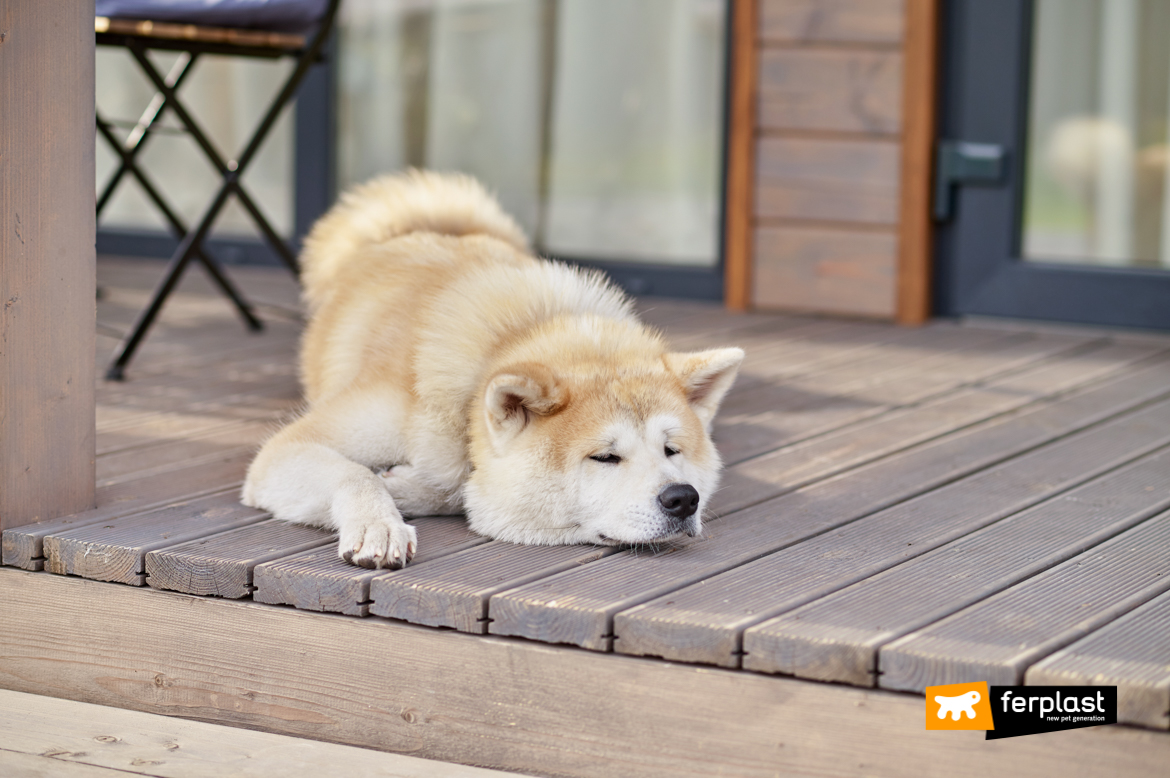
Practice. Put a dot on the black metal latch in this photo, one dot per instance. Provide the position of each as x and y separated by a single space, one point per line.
959 162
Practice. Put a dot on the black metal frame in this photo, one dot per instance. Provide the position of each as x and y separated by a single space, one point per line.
191 241
980 269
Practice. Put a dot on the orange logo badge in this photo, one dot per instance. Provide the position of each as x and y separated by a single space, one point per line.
958 706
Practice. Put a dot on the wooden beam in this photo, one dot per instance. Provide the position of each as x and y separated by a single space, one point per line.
494 702
47 260
919 98
741 140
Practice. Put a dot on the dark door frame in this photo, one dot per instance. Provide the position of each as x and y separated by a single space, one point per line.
979 271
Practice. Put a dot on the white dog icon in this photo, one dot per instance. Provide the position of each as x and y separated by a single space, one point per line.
956 706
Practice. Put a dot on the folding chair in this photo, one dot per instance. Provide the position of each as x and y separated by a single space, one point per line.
196 27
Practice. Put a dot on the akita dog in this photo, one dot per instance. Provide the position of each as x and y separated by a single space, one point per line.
448 370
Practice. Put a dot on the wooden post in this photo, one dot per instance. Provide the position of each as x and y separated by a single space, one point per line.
919 98
741 156
47 260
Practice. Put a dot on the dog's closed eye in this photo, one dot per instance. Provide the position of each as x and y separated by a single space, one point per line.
671 451
609 459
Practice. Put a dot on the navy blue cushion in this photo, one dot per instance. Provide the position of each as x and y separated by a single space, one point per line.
282 15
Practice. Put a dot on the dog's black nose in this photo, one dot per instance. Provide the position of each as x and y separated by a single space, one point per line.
679 500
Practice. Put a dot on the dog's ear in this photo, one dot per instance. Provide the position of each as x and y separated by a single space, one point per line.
706 376
518 394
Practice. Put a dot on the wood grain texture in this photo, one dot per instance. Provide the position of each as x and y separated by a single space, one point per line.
837 637
455 591
741 147
498 703
319 580
760 420
222 564
830 90
47 261
919 99
874 22
705 622
803 462
1132 653
156 488
187 450
114 549
586 600
1000 637
825 271
65 735
832 180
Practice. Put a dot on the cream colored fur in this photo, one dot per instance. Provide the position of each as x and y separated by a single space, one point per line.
446 369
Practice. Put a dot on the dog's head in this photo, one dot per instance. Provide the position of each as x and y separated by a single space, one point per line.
598 451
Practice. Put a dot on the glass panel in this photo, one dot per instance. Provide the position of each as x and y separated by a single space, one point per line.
598 122
1097 133
228 97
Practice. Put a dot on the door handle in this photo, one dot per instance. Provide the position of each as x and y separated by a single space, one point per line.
960 162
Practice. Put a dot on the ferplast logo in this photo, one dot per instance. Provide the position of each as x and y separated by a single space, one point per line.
1011 711
959 706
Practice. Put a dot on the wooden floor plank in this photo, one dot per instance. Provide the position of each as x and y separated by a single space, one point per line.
129 462
499 703
704 622
999 638
1132 653
770 475
222 564
155 489
454 591
114 549
318 580
794 410
837 637
587 599
262 398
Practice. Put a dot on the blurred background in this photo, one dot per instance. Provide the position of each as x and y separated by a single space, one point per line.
599 123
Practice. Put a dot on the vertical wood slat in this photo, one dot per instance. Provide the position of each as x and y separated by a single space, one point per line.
47 260
740 177
918 121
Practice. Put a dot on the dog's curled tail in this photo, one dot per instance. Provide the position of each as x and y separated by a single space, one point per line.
394 205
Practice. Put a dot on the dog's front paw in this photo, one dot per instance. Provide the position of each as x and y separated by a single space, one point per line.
378 544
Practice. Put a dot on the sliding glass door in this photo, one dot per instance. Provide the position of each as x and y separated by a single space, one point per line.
599 123
1070 99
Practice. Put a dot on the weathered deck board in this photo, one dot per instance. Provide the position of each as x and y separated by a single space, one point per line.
222 564
999 637
186 450
454 591
318 580
837 637
501 703
1132 653
114 549
705 621
588 599
159 488
801 463
796 409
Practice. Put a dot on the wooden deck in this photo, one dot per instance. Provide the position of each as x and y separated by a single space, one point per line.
900 508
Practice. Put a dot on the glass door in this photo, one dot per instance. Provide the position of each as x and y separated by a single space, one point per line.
1071 101
599 123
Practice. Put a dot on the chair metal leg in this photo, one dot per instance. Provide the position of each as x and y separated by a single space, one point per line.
179 260
180 230
141 133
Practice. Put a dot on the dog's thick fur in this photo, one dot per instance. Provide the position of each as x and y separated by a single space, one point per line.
447 369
